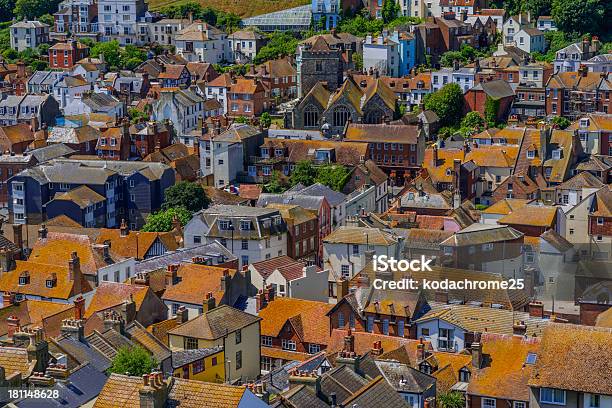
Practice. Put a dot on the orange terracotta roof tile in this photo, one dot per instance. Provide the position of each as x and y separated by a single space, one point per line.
39 273
505 373
57 247
306 317
574 358
274 352
195 282
109 294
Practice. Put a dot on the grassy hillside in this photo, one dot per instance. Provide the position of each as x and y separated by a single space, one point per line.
244 8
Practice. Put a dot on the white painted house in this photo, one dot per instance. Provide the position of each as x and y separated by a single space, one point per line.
201 42
251 234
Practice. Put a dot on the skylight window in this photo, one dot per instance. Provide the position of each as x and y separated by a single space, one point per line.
531 358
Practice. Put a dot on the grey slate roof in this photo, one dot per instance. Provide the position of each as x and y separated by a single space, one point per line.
124 168
84 352
300 397
182 357
477 234
343 381
333 197
50 152
182 255
307 202
100 101
81 386
404 378
378 393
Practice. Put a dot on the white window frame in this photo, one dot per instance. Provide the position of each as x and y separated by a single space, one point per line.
552 402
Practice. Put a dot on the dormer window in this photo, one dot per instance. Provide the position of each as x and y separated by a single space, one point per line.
464 375
584 123
225 225
278 152
265 152
50 281
449 172
531 154
556 154
24 278
245 225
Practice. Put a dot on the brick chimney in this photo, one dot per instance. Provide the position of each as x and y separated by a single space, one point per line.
434 157
476 355
8 298
181 315
154 392
12 325
341 289
79 308
38 349
519 328
536 309
377 349
73 328
42 231
124 228
74 273
113 320
172 274
18 235
209 302
128 309
421 351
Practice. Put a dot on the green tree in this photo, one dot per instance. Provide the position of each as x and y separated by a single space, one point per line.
137 115
452 399
358 61
304 173
186 194
6 10
280 44
276 185
361 25
32 9
491 110
43 49
449 57
390 10
560 122
447 103
39 65
581 16
163 220
538 7
265 120
333 176
241 119
473 120
110 50
131 57
134 361
47 19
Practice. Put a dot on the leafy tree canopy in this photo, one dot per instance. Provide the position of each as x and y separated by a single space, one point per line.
265 119
276 185
452 399
576 17
134 361
333 176
191 196
163 221
280 44
560 122
32 9
304 173
472 122
390 10
447 103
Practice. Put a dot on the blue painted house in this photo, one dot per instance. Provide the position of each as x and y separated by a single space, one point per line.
115 190
406 51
